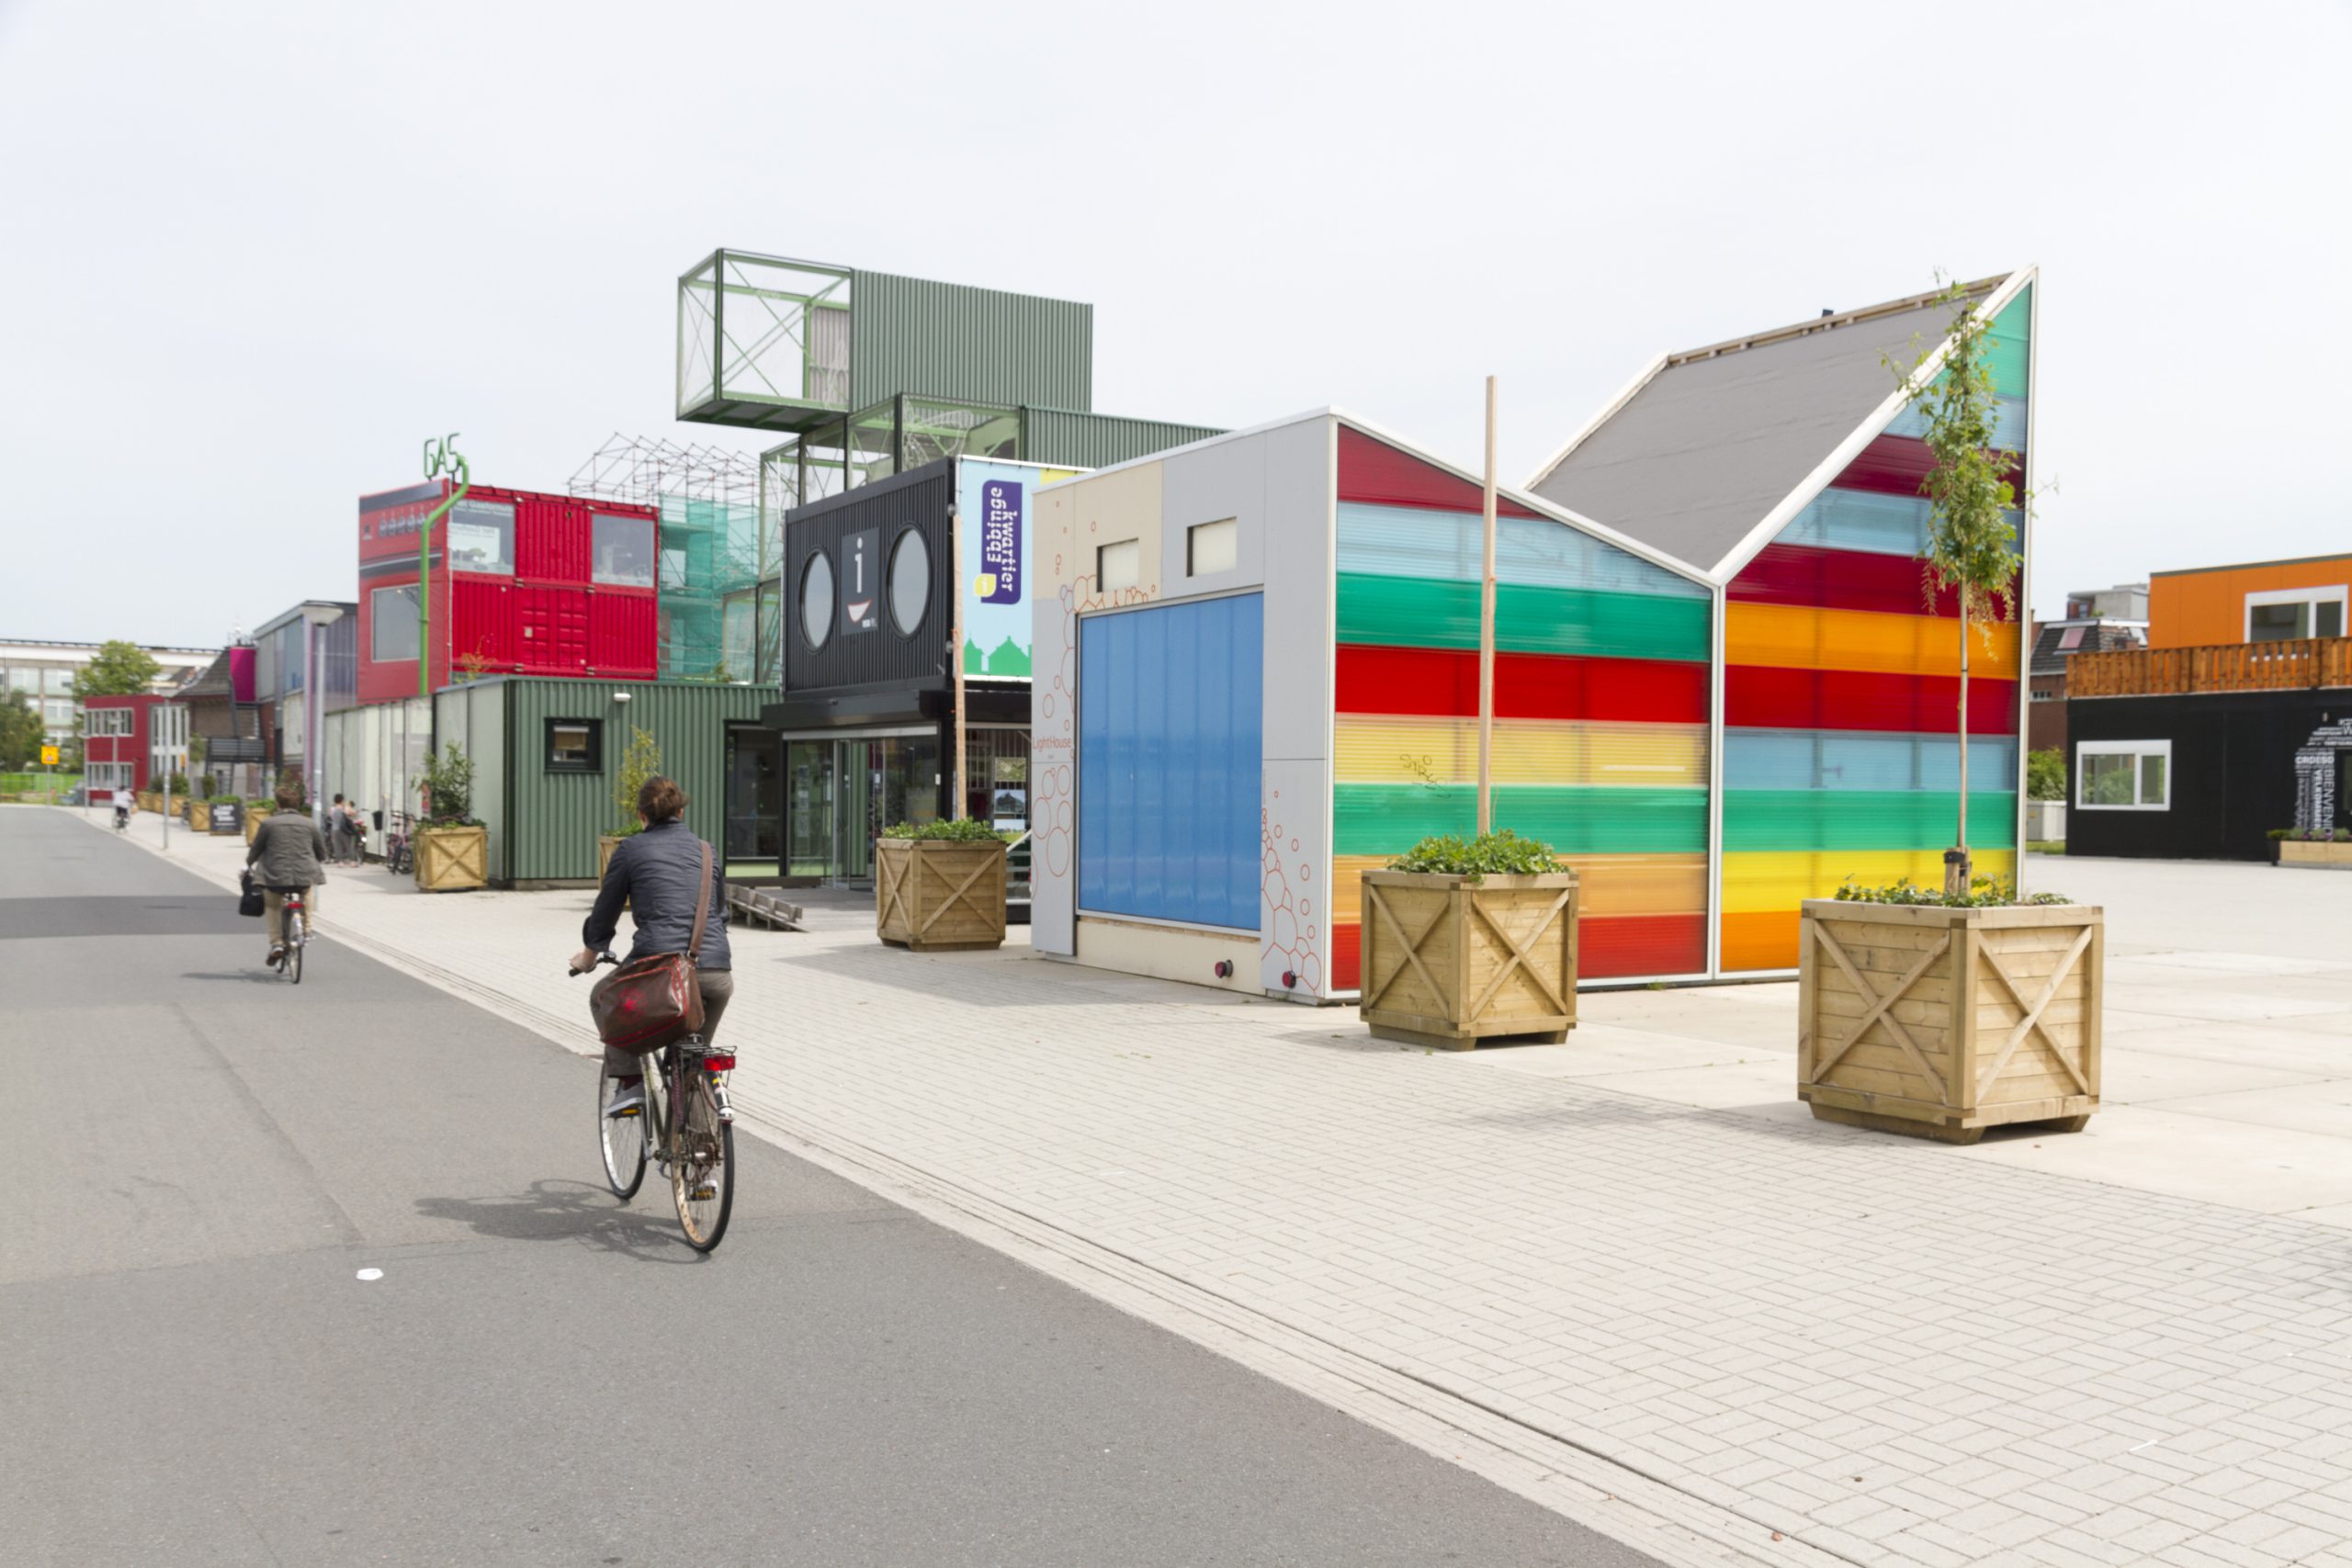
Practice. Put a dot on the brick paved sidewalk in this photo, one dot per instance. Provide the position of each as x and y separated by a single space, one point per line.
1884 1350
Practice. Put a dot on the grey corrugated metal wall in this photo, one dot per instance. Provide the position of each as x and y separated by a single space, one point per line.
948 340
552 820
1077 440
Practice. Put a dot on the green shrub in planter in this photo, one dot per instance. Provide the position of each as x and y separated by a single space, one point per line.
959 831
1499 853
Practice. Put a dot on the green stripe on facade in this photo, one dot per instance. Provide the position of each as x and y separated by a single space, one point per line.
1783 819
1405 611
2007 345
1387 820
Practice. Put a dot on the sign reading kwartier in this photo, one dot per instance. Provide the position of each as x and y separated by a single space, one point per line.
992 511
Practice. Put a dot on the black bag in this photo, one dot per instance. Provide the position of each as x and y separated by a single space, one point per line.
249 901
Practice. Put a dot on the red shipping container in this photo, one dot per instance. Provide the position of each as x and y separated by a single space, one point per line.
622 632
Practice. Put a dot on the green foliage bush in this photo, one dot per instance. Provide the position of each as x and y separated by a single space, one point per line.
2305 835
449 789
1499 853
642 762
960 830
1984 893
2045 774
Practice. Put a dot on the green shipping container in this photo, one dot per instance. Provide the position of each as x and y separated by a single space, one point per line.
543 800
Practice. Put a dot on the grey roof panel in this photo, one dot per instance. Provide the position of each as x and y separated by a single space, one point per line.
1718 437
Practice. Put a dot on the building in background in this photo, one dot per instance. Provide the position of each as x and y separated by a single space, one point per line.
2097 620
2234 721
922 391
281 692
116 761
44 671
224 724
711 561
521 583
1786 467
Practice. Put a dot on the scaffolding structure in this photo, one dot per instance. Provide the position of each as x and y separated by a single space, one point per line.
717 622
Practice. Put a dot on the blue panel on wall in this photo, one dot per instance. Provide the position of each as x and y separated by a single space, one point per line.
1170 703
1832 758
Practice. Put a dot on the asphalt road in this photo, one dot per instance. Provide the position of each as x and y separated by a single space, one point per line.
201 1159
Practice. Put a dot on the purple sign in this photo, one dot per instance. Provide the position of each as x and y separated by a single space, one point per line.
1001 541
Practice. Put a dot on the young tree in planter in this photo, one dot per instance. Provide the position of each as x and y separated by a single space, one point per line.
1972 544
642 762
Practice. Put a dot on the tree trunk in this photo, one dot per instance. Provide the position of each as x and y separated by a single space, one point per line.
1956 867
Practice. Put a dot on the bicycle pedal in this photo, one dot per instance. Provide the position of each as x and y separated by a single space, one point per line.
704 1193
625 1115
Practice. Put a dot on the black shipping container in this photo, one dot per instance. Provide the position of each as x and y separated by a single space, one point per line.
2233 769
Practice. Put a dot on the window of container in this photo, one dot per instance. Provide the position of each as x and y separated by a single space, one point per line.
2124 775
624 550
1118 565
2285 614
817 599
391 632
1212 547
909 582
481 536
576 746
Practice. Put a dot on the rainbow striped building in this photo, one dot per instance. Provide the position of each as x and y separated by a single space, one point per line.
1719 687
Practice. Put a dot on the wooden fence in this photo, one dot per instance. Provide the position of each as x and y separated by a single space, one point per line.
2227 667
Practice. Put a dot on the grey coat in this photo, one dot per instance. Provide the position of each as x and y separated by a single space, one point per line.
288 850
656 871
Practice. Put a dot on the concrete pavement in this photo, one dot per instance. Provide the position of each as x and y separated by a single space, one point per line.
203 1160
1628 1276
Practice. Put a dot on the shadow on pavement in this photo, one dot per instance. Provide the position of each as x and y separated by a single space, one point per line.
254 977
574 1211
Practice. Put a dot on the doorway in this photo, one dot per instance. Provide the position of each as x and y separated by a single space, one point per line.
839 793
754 809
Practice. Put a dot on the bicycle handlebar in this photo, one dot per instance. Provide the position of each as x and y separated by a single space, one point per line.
602 958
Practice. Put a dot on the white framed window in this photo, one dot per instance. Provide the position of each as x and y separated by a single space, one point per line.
1212 547
2124 775
1118 565
391 625
2281 614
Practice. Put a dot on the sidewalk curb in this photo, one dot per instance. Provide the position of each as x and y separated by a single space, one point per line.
1551 1470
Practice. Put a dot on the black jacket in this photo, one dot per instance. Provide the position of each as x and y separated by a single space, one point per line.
656 871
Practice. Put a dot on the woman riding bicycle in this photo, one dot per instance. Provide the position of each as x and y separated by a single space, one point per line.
656 873
292 853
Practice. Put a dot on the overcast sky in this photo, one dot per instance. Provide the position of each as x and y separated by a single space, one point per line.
250 257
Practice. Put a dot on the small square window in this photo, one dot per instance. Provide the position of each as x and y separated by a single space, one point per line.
575 745
2124 775
1118 565
1212 547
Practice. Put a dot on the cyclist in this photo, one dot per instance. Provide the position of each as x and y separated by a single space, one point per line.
656 871
122 803
292 854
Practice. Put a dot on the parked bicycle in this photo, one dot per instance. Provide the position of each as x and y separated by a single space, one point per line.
296 935
683 1124
400 855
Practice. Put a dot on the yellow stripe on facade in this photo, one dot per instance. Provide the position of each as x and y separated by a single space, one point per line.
1527 751
1796 637
1766 882
1608 884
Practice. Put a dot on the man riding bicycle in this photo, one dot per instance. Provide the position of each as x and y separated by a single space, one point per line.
656 874
292 855
123 805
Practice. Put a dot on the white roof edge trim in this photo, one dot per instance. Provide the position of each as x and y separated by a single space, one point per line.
1536 503
1846 451
1166 451
1608 411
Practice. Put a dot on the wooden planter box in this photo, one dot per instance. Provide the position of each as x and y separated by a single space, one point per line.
449 860
149 800
939 895
196 814
1942 1022
254 817
2315 852
1448 962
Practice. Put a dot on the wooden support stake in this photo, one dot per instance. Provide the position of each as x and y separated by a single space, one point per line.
956 653
1486 637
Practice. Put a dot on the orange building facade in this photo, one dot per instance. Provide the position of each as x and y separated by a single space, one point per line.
2255 601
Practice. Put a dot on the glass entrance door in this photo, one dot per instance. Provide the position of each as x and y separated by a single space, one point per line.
808 791
755 803
840 793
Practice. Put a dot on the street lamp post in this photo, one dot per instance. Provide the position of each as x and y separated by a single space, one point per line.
315 618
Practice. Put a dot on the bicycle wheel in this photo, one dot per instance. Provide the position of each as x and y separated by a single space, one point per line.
625 1138
701 1178
294 944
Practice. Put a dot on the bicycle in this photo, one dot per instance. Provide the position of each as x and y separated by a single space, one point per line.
400 855
685 1126
293 935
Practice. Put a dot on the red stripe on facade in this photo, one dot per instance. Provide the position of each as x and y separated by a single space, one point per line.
1764 697
1607 947
1443 682
1377 474
1838 579
1894 465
